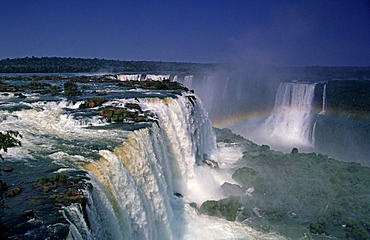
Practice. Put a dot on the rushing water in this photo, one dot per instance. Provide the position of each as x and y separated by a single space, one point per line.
144 175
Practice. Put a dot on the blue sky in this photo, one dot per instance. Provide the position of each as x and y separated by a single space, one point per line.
298 33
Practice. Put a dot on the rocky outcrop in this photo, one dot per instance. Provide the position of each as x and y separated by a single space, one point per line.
225 208
61 188
132 112
230 189
14 191
93 102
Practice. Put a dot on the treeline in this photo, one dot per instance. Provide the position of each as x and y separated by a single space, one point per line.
73 65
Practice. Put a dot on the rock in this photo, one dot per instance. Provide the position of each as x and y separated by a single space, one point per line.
71 89
211 163
115 114
31 213
178 194
93 102
3 185
14 191
225 208
69 196
20 95
8 169
265 148
294 151
230 189
193 205
316 228
245 176
133 106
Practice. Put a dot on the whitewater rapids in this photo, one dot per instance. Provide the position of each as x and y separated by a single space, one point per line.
144 186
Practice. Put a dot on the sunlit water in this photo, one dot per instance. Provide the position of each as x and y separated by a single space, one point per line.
144 176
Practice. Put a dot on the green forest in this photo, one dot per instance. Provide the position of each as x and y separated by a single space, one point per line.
73 65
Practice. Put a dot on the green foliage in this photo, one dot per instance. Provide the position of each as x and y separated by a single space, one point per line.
226 208
316 228
58 178
71 89
157 85
356 231
113 114
304 188
9 140
73 65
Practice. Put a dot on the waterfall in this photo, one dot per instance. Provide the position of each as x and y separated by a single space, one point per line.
323 110
291 119
188 81
137 185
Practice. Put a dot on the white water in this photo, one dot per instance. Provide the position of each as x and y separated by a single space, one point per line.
290 123
188 81
323 110
134 184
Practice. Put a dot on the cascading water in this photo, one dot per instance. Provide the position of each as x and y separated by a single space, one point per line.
144 187
141 177
188 81
144 181
290 122
323 110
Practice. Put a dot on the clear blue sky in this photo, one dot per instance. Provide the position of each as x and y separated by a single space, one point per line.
299 32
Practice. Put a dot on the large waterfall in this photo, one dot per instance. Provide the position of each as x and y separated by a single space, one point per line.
143 189
290 122
148 179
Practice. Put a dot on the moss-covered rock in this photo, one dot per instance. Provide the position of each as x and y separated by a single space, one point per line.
71 89
245 175
113 114
93 102
316 228
226 208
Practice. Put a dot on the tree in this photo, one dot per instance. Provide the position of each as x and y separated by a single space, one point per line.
8 140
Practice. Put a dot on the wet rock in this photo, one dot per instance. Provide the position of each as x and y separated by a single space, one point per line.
20 95
211 163
31 213
226 208
133 106
294 151
69 196
71 89
14 191
3 185
178 194
113 114
232 189
93 102
8 169
193 205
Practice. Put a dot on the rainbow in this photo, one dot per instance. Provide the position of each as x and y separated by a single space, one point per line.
240 117
261 115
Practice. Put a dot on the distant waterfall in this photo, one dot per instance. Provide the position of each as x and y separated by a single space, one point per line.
323 110
291 119
135 184
188 81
